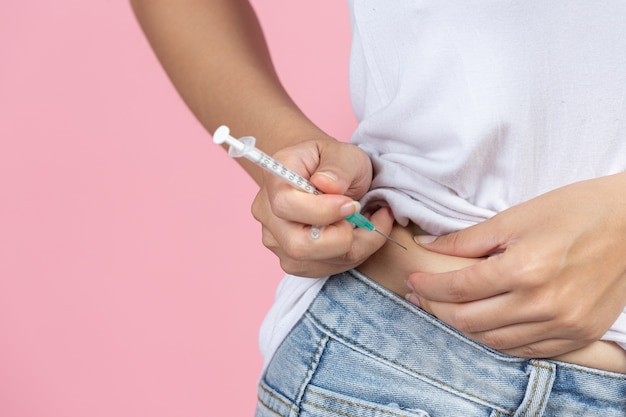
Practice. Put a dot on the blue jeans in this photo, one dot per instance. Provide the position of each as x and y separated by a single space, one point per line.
361 351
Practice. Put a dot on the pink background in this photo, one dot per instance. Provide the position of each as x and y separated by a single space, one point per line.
132 277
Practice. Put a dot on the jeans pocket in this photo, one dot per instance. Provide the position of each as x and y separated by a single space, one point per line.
318 402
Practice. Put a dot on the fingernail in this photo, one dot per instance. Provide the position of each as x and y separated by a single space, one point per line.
350 208
424 239
328 174
410 285
412 298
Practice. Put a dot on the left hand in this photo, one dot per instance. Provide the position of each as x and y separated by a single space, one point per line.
554 277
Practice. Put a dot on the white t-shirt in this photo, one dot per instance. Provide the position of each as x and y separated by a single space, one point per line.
468 107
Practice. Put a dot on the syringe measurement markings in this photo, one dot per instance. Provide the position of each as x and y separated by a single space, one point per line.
285 173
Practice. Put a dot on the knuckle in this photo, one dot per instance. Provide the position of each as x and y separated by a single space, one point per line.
583 326
296 251
528 351
571 323
534 269
452 240
286 247
289 267
306 269
352 258
457 291
494 340
462 322
269 242
296 268
543 306
257 208
279 205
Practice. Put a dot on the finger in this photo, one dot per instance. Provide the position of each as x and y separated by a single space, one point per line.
340 247
309 269
300 267
333 167
546 348
339 243
295 240
484 315
479 281
383 219
335 176
324 256
518 335
366 242
299 207
522 338
477 241
533 341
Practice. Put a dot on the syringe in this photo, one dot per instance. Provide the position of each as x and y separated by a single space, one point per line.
245 147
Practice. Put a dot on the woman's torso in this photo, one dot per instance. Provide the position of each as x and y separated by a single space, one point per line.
467 108
391 265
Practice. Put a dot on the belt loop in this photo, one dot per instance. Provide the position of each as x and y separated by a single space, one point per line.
542 375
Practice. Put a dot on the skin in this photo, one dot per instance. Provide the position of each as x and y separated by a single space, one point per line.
557 282
215 54
534 299
286 213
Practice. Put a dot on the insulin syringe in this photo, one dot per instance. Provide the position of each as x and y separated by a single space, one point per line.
245 147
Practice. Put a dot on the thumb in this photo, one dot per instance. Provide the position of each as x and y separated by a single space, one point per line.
477 241
343 169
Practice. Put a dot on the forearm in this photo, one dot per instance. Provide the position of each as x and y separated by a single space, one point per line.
215 54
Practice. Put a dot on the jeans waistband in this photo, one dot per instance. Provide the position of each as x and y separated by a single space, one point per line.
351 308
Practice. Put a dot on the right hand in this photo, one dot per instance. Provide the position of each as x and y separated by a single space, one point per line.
344 173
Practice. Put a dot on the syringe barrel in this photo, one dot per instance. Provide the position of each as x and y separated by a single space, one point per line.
270 164
245 147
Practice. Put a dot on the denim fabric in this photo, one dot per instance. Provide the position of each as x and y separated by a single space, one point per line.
361 351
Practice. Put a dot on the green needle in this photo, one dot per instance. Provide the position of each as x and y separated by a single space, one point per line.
361 221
